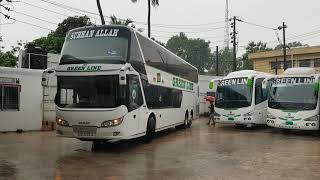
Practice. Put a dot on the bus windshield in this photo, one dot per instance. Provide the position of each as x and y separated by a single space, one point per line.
235 94
96 45
293 97
88 92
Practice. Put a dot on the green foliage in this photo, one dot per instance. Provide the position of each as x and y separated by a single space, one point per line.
117 21
71 23
154 3
291 44
196 51
53 42
8 59
253 47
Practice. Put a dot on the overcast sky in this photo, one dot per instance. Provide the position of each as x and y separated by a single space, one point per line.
199 18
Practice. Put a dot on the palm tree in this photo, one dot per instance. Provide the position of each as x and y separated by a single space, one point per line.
118 21
154 3
100 12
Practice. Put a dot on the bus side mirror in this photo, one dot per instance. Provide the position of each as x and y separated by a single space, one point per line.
265 82
122 78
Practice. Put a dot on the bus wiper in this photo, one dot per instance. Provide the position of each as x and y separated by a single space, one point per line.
68 59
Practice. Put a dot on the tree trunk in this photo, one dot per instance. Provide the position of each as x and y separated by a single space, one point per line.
149 17
100 12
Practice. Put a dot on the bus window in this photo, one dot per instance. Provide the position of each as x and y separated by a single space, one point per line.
134 93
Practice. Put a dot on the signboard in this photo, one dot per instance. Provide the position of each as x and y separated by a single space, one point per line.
94 33
293 81
84 68
235 81
180 83
6 80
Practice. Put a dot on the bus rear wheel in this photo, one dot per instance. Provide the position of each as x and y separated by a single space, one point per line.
151 129
190 121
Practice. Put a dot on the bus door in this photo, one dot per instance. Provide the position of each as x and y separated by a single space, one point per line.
136 107
260 100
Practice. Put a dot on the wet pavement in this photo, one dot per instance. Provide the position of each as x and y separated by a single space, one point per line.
202 152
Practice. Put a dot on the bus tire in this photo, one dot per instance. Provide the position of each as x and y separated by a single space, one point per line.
190 120
186 121
151 129
240 126
97 145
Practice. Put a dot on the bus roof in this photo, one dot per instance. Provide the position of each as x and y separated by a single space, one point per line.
300 71
245 73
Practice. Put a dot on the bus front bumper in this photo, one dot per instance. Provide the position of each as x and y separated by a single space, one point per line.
110 133
298 125
235 120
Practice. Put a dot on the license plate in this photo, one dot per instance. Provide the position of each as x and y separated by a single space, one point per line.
289 123
85 131
231 119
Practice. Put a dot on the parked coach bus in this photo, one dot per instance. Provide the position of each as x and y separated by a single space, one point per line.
241 100
294 101
114 84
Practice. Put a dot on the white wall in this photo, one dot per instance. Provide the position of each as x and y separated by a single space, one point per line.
203 89
29 117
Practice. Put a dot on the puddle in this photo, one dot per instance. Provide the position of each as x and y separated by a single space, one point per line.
7 169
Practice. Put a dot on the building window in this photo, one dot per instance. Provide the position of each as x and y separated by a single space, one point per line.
9 97
305 63
276 65
289 64
317 63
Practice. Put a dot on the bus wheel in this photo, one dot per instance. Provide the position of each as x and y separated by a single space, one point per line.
240 126
190 121
97 145
151 128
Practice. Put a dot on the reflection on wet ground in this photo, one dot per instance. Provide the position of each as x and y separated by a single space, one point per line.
202 152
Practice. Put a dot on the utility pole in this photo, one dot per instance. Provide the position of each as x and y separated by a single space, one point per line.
217 61
283 28
100 12
234 41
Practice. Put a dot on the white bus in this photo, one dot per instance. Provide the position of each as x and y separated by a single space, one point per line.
293 100
241 100
114 83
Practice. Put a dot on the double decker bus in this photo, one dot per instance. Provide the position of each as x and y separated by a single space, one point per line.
241 99
294 100
113 83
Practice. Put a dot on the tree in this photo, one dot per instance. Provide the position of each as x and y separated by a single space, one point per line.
8 59
195 51
116 21
253 47
53 42
290 45
154 3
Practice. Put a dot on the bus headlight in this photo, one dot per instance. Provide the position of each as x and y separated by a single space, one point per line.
62 122
313 118
112 123
270 116
248 114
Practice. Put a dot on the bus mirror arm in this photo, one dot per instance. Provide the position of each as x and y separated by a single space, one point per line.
122 78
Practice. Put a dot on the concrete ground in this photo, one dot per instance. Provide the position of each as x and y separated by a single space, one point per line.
202 152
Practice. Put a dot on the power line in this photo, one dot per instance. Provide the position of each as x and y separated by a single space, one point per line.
8 17
258 25
9 9
179 25
189 31
72 9
55 12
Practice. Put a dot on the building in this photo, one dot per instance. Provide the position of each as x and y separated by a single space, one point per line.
204 91
272 61
20 99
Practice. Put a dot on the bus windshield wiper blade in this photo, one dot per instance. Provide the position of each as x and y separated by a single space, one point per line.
68 59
